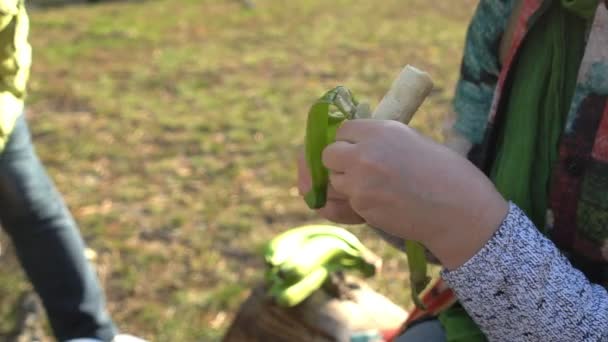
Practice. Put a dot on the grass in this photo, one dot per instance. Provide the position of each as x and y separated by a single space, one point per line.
171 129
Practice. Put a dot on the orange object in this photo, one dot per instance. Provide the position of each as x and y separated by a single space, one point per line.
436 299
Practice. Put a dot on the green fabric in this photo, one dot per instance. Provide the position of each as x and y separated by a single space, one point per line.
541 91
541 88
459 327
583 8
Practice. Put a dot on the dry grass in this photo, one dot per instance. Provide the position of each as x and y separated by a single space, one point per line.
171 128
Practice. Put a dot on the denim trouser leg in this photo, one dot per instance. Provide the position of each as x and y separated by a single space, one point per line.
427 331
48 243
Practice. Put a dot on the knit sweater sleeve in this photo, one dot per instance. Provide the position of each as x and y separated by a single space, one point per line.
519 287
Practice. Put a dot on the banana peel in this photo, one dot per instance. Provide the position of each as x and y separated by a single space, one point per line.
324 118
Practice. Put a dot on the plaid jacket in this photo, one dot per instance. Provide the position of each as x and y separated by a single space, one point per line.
578 215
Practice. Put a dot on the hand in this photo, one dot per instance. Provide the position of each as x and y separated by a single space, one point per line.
337 208
414 188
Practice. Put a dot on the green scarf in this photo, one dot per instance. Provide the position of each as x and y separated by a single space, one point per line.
541 90
541 87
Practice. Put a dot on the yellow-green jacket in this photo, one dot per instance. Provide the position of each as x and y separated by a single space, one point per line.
15 62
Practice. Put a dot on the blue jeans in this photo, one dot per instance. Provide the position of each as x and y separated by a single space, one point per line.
48 243
426 331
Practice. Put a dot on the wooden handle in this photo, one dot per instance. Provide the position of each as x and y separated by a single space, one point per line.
405 96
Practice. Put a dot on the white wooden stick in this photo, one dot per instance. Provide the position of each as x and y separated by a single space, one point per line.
405 96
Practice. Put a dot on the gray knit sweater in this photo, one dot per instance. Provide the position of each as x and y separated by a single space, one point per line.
519 287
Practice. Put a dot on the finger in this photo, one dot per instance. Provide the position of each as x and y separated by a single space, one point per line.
333 194
340 183
338 156
339 211
354 131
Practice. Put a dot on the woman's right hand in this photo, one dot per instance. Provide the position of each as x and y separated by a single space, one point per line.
337 209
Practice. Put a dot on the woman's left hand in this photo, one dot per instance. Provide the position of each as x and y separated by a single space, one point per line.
409 186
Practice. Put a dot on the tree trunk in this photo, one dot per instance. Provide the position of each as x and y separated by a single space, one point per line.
331 314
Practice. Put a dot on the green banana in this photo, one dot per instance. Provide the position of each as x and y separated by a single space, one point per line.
283 245
370 260
314 253
294 274
363 267
354 257
314 231
322 244
367 268
416 258
297 292
321 127
347 237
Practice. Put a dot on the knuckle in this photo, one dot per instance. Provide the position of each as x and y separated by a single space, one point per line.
391 125
370 162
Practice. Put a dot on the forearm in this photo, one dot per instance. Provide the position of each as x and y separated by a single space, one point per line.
519 287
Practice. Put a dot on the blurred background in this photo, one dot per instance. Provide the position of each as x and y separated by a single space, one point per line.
171 128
